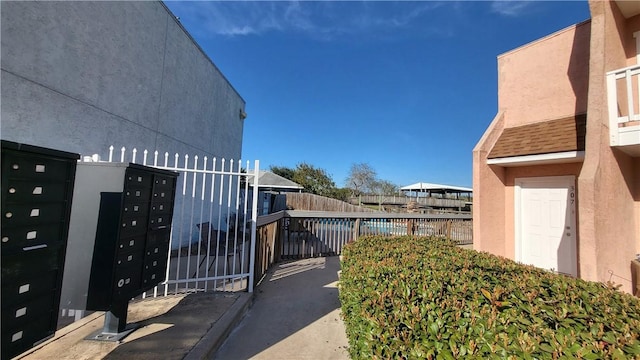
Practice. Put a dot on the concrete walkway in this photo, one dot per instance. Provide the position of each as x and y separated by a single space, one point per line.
186 326
295 315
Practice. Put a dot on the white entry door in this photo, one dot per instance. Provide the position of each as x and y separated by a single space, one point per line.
545 223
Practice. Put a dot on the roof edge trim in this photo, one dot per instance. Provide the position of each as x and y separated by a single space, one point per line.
539 159
546 37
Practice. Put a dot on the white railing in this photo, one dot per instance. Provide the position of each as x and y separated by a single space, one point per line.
214 222
623 100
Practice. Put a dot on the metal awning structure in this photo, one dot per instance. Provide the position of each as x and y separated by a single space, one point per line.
431 188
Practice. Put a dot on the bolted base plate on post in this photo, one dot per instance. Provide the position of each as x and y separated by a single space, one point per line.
101 335
115 324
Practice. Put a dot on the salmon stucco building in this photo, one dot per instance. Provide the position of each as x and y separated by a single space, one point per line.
556 175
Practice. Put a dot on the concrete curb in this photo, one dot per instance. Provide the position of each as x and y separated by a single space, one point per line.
213 339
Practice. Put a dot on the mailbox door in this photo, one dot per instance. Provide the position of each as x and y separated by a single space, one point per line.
37 189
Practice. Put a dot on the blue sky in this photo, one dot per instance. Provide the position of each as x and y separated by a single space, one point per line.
406 87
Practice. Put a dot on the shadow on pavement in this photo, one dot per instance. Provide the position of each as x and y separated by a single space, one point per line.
173 334
296 315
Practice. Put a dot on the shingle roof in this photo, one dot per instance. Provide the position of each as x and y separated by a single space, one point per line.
560 135
268 179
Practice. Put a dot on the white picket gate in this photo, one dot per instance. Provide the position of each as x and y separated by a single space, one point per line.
214 223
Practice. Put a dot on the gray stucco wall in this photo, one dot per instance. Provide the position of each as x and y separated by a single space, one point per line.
81 76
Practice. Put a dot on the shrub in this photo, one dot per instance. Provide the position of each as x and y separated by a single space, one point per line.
410 297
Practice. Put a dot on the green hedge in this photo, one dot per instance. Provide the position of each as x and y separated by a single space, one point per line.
409 297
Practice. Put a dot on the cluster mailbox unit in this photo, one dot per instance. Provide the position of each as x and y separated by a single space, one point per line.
127 209
77 235
37 188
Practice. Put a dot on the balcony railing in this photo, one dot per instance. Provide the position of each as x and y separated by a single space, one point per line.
624 107
405 200
300 234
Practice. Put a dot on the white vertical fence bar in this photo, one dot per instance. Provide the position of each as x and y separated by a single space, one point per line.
612 100
202 201
629 93
244 218
254 219
230 230
181 226
191 219
236 224
209 230
211 200
215 282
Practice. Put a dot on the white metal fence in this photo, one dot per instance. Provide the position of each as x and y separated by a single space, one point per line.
214 222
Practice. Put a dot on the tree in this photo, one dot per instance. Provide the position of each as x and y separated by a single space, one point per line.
285 172
340 194
361 179
314 180
384 187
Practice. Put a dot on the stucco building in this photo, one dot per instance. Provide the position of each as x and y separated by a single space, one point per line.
556 175
81 76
